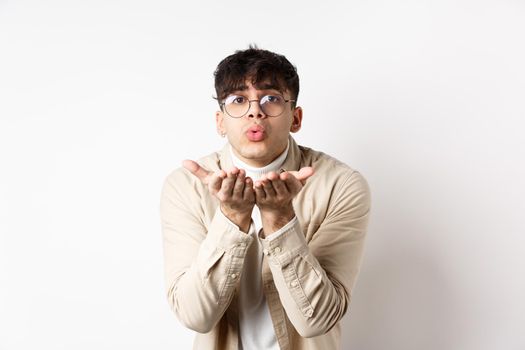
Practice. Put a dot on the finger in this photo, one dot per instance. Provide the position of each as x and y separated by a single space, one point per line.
194 168
303 174
215 181
272 175
229 182
277 184
249 193
268 189
238 187
260 195
292 184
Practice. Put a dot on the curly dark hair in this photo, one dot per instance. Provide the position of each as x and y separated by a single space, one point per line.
266 69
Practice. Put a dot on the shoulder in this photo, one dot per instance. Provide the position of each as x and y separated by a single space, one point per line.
326 164
334 176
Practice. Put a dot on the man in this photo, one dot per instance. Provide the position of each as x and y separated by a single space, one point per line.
263 239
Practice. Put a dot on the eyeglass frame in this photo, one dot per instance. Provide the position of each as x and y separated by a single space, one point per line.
223 104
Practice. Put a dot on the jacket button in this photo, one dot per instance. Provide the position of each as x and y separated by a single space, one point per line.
277 250
233 276
309 313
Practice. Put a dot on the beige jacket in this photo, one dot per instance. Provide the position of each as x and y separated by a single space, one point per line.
308 271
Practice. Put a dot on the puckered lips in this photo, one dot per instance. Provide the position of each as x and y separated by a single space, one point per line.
255 133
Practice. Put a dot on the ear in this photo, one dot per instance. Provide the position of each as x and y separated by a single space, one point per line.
219 121
297 119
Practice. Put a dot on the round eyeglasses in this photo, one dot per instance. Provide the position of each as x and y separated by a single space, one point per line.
237 106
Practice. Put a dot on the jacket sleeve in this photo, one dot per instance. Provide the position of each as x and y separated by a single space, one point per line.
202 261
315 279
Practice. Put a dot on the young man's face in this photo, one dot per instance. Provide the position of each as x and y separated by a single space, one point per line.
256 138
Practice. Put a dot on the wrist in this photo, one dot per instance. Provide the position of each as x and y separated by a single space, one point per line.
240 218
274 220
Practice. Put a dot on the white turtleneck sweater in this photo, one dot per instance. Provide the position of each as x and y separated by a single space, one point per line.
255 323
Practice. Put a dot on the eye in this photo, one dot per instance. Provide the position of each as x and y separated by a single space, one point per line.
272 99
235 99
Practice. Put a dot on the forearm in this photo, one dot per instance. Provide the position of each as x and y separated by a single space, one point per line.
202 283
313 302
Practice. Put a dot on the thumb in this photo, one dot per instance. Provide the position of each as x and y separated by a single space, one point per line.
303 173
194 168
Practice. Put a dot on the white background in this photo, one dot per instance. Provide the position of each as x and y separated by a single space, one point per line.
100 100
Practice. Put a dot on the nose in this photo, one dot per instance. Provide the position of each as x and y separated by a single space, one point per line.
255 110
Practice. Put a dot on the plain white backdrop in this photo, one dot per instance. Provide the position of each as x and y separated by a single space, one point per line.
100 100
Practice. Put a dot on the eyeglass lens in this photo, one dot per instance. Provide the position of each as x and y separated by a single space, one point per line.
271 105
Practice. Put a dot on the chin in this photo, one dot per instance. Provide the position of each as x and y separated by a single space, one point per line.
253 155
255 148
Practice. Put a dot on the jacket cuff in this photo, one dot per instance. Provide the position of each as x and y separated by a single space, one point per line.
282 246
227 236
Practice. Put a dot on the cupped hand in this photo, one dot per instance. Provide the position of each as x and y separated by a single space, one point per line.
232 188
274 194
274 191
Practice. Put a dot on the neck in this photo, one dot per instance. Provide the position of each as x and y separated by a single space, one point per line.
255 172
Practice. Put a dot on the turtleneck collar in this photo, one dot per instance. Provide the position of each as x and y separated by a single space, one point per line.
256 173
